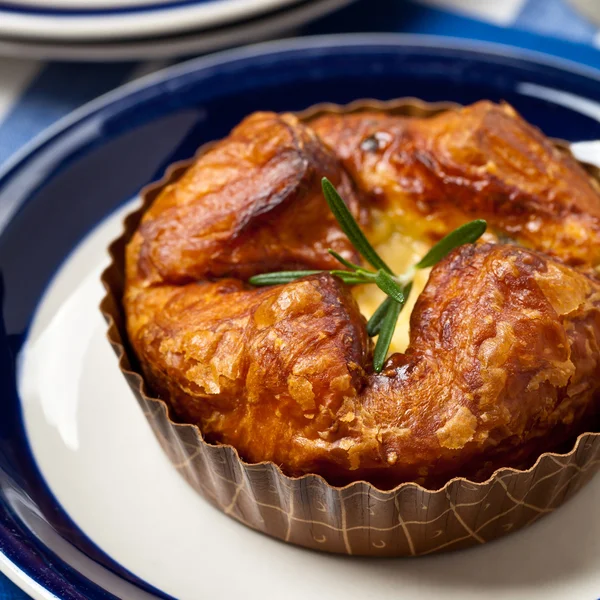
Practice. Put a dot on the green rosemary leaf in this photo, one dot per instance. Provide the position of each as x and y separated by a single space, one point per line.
386 283
280 277
374 323
388 325
350 226
350 277
465 234
341 259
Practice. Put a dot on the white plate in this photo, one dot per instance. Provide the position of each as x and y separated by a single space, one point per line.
155 19
193 43
87 4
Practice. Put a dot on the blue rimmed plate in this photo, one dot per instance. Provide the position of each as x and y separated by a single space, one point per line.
265 26
111 19
89 506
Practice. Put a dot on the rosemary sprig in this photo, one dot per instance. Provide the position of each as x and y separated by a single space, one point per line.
280 277
468 233
397 288
374 323
376 320
350 226
386 332
345 262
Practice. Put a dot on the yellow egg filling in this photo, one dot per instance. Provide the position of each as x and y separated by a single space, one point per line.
400 252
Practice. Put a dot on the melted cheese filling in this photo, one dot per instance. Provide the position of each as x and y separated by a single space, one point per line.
400 252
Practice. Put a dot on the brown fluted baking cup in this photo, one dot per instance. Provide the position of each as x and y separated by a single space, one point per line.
356 519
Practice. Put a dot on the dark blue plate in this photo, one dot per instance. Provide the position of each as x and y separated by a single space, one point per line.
61 185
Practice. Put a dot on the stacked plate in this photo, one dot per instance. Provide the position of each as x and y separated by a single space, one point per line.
145 29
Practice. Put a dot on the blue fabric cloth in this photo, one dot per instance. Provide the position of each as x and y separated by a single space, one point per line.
9 591
549 26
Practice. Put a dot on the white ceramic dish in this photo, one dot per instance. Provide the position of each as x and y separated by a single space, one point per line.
270 25
136 22
87 4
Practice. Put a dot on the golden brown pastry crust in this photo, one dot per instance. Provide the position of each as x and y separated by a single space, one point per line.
251 204
504 357
483 161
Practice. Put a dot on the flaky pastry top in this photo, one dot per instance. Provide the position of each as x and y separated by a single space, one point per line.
504 357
